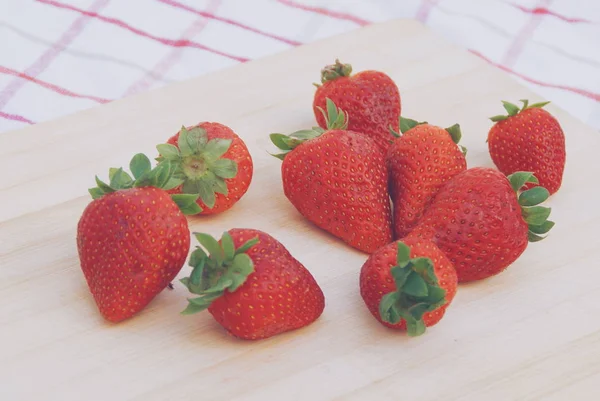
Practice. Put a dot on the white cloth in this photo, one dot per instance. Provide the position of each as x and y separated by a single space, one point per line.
61 56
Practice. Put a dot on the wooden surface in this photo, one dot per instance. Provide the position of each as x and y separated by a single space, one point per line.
531 333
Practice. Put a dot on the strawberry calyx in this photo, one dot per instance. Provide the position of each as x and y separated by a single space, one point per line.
417 292
534 215
513 109
335 71
199 164
161 176
223 268
335 118
407 124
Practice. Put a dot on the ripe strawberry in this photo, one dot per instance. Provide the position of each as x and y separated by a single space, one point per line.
408 284
419 163
371 99
337 179
529 139
133 238
212 161
252 285
482 220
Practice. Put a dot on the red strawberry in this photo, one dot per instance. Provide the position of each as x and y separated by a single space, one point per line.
482 221
132 238
371 99
419 163
407 285
252 285
212 161
337 179
529 139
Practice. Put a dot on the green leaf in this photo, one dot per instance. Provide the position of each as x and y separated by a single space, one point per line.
168 151
498 118
436 297
103 186
228 246
415 327
96 192
387 309
120 179
198 256
215 148
332 110
220 186
424 267
280 156
195 280
240 269
538 105
532 237
403 255
139 165
536 215
407 123
510 108
518 179
207 194
246 245
415 286
212 246
191 209
533 196
183 200
173 183
159 176
525 103
281 141
184 145
224 168
201 303
400 274
193 308
542 228
222 283
191 187
455 133
307 133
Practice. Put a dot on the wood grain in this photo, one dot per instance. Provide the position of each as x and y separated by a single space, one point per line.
531 333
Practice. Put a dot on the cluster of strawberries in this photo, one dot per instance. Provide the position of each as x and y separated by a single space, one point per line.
446 223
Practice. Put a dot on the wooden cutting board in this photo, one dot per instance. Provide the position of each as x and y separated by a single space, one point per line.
531 333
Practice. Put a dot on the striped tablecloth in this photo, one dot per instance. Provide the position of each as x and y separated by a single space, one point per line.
61 56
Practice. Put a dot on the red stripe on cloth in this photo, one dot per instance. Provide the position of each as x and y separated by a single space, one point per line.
49 55
424 9
324 11
545 11
173 56
119 23
52 87
15 117
582 92
211 15
524 34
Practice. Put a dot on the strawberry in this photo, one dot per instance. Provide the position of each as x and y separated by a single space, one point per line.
419 162
408 284
371 99
337 179
529 139
133 239
483 220
252 285
212 161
